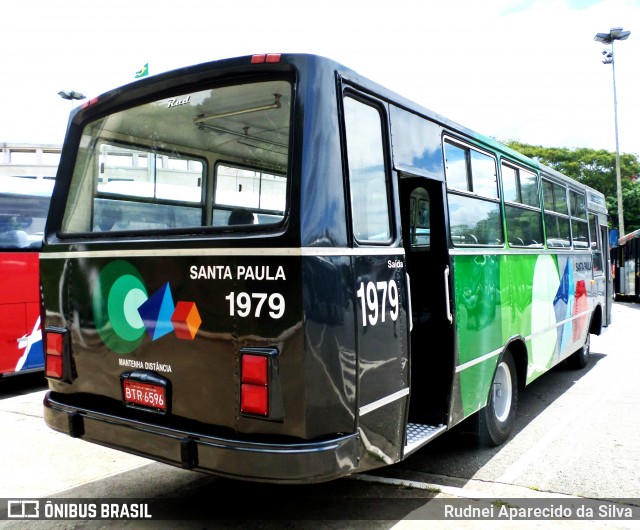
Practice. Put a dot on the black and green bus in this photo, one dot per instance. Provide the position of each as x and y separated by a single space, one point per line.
270 268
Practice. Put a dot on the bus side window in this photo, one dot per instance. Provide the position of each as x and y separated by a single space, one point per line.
247 196
579 228
596 244
522 206
556 214
367 173
106 216
474 207
419 222
241 216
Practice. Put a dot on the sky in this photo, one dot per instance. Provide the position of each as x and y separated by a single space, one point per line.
526 70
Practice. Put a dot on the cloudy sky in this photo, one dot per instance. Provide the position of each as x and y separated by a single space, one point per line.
528 70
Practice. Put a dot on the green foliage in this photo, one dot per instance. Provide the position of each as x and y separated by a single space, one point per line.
630 206
595 168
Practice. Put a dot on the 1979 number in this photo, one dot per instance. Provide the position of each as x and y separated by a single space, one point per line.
245 304
372 296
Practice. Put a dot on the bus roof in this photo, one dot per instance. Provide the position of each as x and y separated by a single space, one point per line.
288 61
26 186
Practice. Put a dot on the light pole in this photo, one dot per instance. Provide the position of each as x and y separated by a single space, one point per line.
71 95
608 38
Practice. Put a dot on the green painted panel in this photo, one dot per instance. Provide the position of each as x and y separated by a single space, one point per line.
498 297
475 383
478 302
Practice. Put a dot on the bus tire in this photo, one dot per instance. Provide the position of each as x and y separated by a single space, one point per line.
580 359
498 417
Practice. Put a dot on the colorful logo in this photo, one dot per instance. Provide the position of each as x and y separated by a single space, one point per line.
32 344
124 311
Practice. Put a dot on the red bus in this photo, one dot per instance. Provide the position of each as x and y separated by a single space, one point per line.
24 203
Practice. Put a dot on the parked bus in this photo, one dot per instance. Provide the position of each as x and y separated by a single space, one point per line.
272 269
24 203
625 258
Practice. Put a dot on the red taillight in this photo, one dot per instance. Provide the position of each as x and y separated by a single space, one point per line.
254 369
265 58
254 390
54 367
254 399
54 343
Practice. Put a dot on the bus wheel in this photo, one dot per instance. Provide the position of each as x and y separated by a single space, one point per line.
498 417
580 359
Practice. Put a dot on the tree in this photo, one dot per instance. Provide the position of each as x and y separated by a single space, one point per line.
595 168
630 206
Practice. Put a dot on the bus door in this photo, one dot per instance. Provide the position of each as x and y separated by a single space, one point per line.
379 279
601 267
424 240
606 256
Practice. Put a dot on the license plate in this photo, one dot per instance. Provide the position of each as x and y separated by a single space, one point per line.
147 395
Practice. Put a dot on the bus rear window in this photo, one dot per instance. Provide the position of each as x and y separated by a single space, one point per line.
213 158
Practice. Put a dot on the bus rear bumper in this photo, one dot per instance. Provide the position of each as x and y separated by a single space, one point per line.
260 462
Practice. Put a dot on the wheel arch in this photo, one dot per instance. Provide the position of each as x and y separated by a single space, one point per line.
595 325
518 349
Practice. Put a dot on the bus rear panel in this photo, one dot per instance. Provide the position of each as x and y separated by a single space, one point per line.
186 318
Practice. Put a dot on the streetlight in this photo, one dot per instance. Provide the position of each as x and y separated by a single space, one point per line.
71 95
608 38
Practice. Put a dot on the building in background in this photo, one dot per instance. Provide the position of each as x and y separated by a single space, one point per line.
34 161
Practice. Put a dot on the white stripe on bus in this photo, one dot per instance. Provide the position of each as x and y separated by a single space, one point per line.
303 251
489 355
383 401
